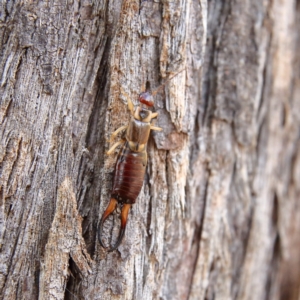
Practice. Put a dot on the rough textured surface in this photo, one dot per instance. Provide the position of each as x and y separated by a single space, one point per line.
219 213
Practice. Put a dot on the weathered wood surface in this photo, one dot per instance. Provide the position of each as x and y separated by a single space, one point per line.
219 215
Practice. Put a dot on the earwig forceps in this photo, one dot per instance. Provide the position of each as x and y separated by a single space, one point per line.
124 214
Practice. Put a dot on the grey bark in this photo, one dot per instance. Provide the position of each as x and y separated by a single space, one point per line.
218 216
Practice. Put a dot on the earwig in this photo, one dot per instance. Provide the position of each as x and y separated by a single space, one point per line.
131 163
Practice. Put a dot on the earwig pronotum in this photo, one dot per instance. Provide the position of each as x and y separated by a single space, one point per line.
132 160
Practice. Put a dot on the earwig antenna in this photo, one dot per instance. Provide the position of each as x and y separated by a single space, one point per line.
162 85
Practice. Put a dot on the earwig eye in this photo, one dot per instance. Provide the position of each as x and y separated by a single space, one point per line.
146 98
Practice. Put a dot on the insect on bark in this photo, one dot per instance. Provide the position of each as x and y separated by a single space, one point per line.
131 163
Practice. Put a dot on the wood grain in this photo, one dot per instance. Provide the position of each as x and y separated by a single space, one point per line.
218 216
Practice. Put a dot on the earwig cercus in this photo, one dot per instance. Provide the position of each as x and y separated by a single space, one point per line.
131 162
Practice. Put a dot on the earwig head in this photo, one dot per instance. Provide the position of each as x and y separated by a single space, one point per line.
146 98
143 112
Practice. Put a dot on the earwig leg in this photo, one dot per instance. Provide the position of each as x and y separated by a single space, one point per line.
155 128
113 147
110 208
130 105
124 215
115 133
129 102
154 115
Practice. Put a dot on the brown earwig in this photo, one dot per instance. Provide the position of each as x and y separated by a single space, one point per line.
132 159
131 162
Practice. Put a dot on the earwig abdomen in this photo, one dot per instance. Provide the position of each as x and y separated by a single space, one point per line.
129 175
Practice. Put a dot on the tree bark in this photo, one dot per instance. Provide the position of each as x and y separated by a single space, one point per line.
219 214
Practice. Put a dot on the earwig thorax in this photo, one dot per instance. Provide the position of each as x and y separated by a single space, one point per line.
144 113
